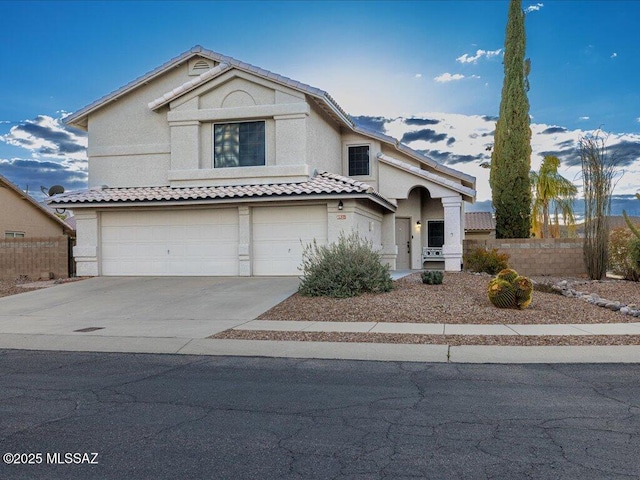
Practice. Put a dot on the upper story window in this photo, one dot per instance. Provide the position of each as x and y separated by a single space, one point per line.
239 144
359 160
13 234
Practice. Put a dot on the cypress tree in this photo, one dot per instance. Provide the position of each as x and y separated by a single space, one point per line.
511 156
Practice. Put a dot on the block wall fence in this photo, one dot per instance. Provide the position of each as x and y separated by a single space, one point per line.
558 257
36 258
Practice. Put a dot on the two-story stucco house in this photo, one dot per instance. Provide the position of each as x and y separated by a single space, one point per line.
211 166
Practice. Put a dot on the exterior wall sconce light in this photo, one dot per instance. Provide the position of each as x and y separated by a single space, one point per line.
340 205
418 223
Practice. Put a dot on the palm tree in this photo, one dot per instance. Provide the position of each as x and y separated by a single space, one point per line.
551 192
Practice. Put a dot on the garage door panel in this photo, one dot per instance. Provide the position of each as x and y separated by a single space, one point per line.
279 234
199 242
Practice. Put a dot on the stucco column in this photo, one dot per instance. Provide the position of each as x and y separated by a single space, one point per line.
389 247
244 242
85 252
452 248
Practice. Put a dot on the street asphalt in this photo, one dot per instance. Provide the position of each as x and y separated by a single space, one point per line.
132 416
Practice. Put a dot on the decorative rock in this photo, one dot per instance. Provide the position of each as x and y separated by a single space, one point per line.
567 289
613 306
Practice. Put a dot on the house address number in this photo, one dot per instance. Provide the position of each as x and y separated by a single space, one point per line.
341 217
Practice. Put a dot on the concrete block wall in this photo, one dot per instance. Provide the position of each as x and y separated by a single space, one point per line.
558 257
34 257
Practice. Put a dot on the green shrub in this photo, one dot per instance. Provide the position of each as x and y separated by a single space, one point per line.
344 269
483 260
432 277
624 253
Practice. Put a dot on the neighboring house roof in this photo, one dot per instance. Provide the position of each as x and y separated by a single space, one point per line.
479 221
322 98
41 208
71 221
320 184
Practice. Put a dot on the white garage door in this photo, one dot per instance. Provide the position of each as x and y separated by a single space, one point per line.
277 235
178 242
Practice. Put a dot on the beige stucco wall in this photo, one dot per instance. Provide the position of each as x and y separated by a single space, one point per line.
130 145
395 183
324 143
19 215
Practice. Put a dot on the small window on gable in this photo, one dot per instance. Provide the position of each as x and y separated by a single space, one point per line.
359 160
239 144
13 234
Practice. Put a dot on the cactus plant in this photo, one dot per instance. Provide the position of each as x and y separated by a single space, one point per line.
524 291
430 277
510 290
507 274
501 293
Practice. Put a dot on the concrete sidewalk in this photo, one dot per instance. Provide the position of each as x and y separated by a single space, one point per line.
119 340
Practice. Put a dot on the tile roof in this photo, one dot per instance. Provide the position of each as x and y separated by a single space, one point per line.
321 183
479 221
190 85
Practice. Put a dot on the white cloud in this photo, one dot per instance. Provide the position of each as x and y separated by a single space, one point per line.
614 55
468 136
48 137
448 77
418 75
466 58
584 118
533 8
638 119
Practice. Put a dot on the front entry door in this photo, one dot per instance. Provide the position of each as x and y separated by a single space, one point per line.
403 241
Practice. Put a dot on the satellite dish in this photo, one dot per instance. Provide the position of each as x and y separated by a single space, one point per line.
55 190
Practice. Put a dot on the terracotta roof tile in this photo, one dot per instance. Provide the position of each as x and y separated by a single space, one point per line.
323 183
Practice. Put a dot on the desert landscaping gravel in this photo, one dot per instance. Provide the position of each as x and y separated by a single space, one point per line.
510 340
462 298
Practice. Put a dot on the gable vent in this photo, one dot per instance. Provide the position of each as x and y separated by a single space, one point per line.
198 66
201 65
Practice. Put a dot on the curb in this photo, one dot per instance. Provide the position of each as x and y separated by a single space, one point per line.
327 350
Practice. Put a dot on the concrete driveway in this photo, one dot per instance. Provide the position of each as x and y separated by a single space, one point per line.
169 307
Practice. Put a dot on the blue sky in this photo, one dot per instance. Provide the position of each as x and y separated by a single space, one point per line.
378 59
